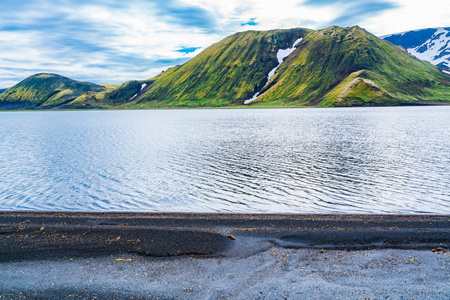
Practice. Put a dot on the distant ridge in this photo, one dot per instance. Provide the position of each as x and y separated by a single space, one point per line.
49 91
45 91
430 44
279 68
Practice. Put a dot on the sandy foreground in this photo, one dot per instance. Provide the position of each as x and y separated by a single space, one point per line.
223 256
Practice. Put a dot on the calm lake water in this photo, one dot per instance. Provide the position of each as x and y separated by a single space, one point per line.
342 160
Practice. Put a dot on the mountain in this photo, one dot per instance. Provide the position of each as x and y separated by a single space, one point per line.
49 91
2 90
44 91
431 44
224 74
278 68
330 67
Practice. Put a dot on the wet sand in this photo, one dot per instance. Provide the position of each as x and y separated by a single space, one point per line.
210 256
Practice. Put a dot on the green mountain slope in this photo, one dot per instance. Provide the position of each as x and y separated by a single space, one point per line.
43 91
110 97
2 91
349 66
331 67
226 73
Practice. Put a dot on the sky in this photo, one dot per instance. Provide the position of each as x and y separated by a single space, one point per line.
112 41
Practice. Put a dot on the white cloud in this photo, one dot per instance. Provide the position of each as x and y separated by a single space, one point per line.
130 32
90 40
269 14
410 15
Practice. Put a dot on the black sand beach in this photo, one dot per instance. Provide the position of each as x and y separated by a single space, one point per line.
210 256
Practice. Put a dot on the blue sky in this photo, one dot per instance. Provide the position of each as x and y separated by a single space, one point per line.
111 41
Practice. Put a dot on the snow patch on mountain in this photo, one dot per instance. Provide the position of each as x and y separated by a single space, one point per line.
446 72
281 55
133 97
436 49
432 44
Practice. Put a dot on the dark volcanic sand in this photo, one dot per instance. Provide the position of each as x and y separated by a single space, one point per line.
197 256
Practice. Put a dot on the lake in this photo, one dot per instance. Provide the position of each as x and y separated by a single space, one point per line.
385 160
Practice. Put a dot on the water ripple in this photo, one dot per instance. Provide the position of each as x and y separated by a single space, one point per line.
361 160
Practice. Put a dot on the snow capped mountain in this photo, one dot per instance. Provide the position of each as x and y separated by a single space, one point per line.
432 44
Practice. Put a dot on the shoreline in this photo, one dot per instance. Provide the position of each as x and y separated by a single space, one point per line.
62 234
222 107
222 256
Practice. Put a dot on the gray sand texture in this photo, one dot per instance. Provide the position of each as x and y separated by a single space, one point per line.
274 273
213 256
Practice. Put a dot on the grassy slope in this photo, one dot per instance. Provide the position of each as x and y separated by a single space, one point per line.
114 95
224 74
42 91
331 67
349 66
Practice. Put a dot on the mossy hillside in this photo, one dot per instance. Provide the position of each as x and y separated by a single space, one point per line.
115 95
363 92
110 85
327 62
126 92
316 73
331 67
85 101
45 91
226 73
321 62
359 89
59 98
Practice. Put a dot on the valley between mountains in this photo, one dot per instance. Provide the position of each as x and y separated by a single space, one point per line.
279 68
